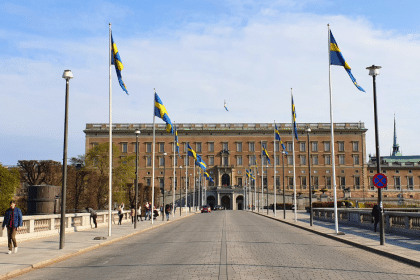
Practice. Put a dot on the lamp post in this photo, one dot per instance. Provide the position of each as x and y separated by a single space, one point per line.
163 189
308 129
180 190
374 71
137 132
284 194
66 75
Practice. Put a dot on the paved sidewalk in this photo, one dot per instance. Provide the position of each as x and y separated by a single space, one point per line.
42 252
402 248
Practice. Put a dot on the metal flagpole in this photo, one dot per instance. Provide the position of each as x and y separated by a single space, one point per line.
262 179
173 189
294 165
110 139
332 134
255 188
186 181
275 182
249 190
194 191
153 158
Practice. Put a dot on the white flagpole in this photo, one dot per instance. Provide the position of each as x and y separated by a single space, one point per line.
262 179
173 188
153 158
332 135
249 190
186 182
294 165
255 187
110 139
275 183
194 190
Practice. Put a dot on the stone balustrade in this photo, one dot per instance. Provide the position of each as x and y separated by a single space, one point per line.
38 226
403 223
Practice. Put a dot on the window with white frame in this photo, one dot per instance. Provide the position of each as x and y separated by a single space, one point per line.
290 160
356 160
289 146
161 147
327 146
161 161
356 182
327 159
198 147
239 160
315 160
342 181
148 181
148 161
276 146
148 147
277 160
251 146
341 159
328 182
302 146
252 160
314 146
290 182
124 147
303 182
225 161
397 182
341 146
315 182
355 146
239 146
211 160
410 183
210 146
302 160
225 146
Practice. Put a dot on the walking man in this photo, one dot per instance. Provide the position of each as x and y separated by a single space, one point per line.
375 215
93 215
12 220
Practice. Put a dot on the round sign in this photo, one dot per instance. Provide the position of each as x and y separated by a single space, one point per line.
380 180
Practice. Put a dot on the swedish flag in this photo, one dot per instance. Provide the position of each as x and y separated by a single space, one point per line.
336 58
266 154
116 60
191 152
176 141
294 119
208 177
160 111
277 133
200 162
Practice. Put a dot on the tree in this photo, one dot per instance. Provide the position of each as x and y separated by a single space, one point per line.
77 177
9 181
36 172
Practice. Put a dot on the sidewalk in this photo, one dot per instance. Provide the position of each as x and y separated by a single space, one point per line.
42 252
401 248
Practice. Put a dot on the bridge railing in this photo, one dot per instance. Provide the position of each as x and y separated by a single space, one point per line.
395 221
38 226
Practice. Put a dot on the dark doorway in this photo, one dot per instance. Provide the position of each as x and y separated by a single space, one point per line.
226 202
211 201
225 180
240 203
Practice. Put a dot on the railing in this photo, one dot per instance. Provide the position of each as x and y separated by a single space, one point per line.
38 226
395 221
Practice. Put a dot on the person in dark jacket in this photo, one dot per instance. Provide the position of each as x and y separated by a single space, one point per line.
93 215
375 215
167 211
12 220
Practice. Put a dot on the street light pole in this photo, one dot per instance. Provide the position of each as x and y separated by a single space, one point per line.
374 71
180 190
284 194
137 132
163 189
66 75
308 129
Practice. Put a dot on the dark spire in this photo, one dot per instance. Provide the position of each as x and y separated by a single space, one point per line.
395 146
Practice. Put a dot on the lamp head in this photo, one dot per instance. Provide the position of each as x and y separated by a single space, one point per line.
67 74
137 132
373 70
308 129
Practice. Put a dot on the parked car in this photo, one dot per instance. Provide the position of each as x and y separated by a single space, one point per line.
206 209
218 207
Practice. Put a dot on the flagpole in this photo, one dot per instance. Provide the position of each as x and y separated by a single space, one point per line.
173 189
294 165
332 134
255 187
194 190
249 191
186 182
275 182
110 139
262 178
153 157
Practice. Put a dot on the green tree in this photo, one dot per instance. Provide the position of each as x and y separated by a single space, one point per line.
9 181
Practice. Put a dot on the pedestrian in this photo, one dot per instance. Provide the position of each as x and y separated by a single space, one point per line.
167 211
93 215
375 216
147 209
155 212
120 215
133 214
139 214
12 220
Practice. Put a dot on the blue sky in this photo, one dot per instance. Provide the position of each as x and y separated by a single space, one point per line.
197 54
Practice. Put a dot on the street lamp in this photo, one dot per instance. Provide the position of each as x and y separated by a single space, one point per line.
137 132
374 71
163 189
66 75
180 190
308 129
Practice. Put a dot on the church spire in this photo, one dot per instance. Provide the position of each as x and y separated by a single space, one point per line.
395 146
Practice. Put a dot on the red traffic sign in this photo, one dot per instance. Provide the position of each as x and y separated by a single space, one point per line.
380 180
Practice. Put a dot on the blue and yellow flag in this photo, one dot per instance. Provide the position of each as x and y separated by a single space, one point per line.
116 60
294 119
277 133
176 141
208 177
200 163
251 176
191 152
336 58
160 111
247 173
266 154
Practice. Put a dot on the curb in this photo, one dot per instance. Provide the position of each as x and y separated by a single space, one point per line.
45 263
392 256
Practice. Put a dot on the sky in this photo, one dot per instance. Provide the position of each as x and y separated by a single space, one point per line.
198 54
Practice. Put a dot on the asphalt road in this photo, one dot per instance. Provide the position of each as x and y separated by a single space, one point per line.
227 245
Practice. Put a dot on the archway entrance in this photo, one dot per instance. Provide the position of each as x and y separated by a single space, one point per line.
211 201
226 202
225 180
240 202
